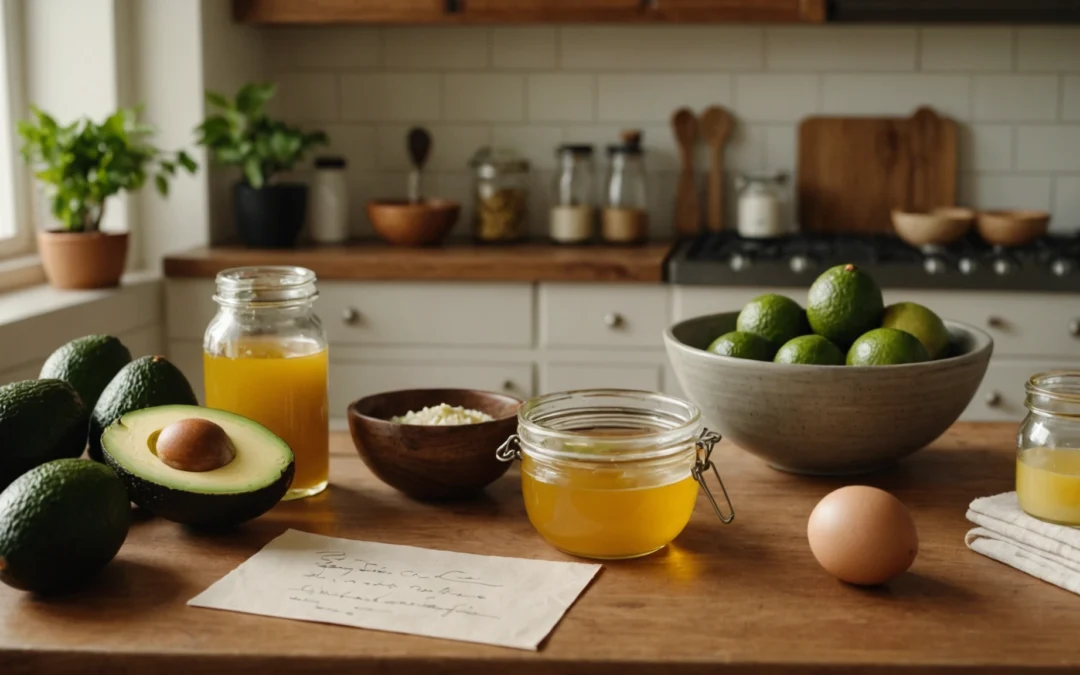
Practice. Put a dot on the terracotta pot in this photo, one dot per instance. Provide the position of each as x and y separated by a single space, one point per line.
83 259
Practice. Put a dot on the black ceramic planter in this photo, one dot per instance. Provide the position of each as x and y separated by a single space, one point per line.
272 216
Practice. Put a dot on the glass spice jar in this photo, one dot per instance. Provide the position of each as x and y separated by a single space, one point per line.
625 218
573 212
500 193
611 473
265 358
1048 449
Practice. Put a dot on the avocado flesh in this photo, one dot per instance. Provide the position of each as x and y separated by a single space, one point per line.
248 486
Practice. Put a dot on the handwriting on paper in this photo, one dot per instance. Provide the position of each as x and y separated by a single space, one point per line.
510 602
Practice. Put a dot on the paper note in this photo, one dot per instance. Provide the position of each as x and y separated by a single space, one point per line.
510 602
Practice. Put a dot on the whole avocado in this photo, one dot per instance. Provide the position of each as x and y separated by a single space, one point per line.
144 383
88 364
60 523
40 420
843 303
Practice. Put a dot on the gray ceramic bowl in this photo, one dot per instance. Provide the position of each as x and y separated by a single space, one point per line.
826 420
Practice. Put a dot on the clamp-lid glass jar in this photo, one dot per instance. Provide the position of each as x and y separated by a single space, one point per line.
1048 449
500 193
611 473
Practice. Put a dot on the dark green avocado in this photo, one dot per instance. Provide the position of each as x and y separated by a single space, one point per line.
251 484
60 523
40 420
88 364
144 383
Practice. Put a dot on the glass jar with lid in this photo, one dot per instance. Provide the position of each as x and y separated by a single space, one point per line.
625 218
573 199
265 358
611 473
1048 454
500 194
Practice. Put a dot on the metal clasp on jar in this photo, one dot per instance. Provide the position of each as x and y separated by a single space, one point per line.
509 450
705 444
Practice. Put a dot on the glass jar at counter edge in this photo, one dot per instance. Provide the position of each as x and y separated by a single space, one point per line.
1048 449
500 197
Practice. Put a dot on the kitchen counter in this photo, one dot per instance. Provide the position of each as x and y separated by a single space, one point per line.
452 262
743 598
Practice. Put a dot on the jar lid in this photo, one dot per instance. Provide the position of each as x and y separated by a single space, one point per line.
575 149
329 162
499 158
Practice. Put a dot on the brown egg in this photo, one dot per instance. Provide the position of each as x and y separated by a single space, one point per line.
195 444
862 535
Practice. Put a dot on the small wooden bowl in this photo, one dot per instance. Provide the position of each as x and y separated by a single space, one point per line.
1012 227
403 223
433 462
938 227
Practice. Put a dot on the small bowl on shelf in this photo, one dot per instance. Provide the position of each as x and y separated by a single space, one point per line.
939 227
404 223
1012 227
433 462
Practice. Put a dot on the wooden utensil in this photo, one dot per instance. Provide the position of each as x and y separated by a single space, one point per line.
687 209
853 171
716 125
419 144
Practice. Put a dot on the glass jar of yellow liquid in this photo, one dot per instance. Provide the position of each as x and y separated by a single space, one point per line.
265 357
1048 459
611 473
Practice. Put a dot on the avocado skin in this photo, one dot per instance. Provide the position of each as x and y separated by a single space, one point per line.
40 420
88 364
202 510
144 383
61 523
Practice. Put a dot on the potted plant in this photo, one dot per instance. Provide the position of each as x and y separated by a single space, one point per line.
81 165
269 214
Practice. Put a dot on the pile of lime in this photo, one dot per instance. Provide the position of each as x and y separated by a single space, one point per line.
845 321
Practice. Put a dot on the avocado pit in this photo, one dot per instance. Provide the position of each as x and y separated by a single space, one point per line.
195 444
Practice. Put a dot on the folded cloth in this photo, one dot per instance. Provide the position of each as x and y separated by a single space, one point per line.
1008 535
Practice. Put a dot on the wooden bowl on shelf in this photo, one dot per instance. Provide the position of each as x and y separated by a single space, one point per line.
404 223
1012 227
938 227
433 462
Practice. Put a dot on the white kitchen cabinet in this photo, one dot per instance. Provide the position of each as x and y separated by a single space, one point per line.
1001 395
569 376
607 316
187 356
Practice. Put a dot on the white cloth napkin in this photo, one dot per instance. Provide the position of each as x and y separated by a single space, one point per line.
1007 534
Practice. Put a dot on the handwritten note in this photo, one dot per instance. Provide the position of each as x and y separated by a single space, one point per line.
511 602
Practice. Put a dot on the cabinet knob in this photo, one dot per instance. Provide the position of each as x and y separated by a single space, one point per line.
993 399
508 386
613 320
996 322
1074 328
350 316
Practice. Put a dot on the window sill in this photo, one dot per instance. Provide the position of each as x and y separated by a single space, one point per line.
21 272
41 299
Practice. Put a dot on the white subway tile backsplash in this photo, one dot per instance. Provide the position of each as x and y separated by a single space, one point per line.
781 148
536 144
533 47
484 97
843 49
653 98
306 97
329 48
746 149
1066 211
967 49
776 98
1005 192
647 48
356 143
1049 49
451 146
657 140
1070 107
1048 148
458 187
390 97
1016 98
895 94
985 147
444 48
561 97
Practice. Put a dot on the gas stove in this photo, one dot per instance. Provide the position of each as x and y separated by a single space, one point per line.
1051 263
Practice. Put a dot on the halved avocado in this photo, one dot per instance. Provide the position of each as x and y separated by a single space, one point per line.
251 483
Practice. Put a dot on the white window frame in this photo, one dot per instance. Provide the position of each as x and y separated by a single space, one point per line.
14 185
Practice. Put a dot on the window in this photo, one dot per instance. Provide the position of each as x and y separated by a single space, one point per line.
16 231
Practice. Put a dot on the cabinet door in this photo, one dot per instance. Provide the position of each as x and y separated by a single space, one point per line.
1000 397
340 11
572 376
553 10
784 11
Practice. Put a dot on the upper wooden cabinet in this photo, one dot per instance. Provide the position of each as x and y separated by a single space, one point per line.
525 11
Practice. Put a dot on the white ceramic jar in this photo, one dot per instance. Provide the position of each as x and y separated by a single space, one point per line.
329 207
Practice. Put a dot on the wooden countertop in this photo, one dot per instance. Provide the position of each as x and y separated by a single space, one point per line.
458 262
743 598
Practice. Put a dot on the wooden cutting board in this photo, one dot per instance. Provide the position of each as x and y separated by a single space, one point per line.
854 170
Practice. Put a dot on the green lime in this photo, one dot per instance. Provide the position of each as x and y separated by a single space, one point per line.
886 347
920 322
774 317
743 346
844 302
810 349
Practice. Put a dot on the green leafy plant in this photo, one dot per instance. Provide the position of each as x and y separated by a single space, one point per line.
243 135
84 163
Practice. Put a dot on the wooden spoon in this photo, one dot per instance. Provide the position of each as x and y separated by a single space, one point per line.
716 127
419 143
687 210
